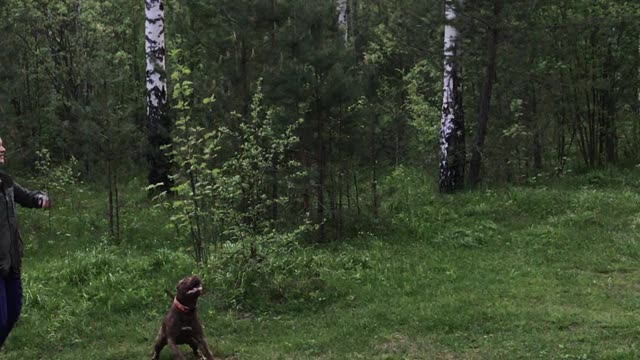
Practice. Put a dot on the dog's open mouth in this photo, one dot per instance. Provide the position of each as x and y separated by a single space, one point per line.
195 289
194 285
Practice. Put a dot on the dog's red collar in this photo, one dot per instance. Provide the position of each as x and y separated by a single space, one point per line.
181 307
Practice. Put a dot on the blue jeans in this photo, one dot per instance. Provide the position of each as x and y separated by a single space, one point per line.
10 305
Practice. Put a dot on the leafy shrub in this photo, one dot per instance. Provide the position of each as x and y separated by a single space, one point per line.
223 201
59 177
269 270
220 198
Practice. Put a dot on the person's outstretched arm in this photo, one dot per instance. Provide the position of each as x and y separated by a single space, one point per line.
31 199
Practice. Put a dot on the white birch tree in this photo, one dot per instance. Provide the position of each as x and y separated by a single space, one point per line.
157 121
343 20
452 132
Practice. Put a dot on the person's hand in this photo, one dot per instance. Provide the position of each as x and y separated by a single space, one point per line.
44 202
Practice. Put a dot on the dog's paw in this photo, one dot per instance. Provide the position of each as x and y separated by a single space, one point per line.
201 356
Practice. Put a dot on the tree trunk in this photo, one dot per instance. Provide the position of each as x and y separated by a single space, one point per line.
536 131
452 132
340 204
274 188
609 109
636 103
116 204
485 100
321 182
348 189
322 163
343 20
374 165
111 215
158 124
353 21
357 194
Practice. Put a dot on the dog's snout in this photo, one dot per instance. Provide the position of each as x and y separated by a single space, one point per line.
197 289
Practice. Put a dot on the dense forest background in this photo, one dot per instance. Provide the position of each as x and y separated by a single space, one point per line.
302 141
549 87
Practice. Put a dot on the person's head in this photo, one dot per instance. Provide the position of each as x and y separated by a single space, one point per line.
2 152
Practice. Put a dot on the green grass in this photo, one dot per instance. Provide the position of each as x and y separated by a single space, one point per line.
538 272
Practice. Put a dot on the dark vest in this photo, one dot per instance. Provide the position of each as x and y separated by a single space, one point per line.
11 246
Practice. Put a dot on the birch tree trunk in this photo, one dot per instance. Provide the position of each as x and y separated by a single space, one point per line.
636 105
452 132
343 20
158 124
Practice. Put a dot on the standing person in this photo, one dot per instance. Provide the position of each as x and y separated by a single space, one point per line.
11 246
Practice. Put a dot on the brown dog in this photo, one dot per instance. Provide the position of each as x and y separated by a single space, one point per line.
181 324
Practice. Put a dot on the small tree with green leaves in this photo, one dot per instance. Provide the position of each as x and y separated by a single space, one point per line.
225 200
56 179
222 197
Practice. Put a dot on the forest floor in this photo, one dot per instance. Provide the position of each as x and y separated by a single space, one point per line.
546 271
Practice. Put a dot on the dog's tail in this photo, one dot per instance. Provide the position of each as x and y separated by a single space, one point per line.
169 293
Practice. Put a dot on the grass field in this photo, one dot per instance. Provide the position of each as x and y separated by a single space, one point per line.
538 272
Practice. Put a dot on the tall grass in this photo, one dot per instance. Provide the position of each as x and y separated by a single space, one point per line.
549 271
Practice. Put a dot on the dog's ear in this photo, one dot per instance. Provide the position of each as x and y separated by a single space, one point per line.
179 284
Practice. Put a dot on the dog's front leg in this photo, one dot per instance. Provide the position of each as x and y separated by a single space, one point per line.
161 341
171 342
204 350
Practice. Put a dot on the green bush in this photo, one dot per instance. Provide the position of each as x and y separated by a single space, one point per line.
222 204
270 270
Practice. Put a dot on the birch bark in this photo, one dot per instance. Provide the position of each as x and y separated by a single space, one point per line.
343 20
452 132
158 125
